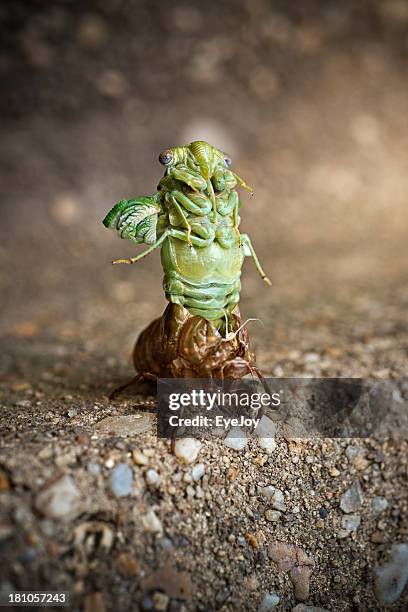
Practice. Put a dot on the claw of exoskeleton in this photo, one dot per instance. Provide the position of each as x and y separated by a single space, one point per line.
121 261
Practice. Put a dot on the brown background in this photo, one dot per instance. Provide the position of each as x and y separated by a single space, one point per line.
309 98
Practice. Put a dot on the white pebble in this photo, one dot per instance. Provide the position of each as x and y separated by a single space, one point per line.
121 480
152 477
198 472
187 449
351 522
266 430
60 501
269 601
151 523
236 439
275 495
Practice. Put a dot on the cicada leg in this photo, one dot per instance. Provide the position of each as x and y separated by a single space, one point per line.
212 196
182 173
206 238
131 382
247 243
154 246
235 201
170 197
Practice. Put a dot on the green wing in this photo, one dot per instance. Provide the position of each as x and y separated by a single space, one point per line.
135 219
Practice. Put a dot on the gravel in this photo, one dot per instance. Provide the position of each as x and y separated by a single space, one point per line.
351 500
265 431
350 523
152 477
272 515
187 449
198 472
379 505
269 601
151 523
121 480
61 500
236 439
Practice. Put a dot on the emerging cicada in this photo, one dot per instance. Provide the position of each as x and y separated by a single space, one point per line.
194 218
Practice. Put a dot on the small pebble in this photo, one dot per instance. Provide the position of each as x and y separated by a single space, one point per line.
160 601
275 495
61 500
269 601
126 425
147 604
152 477
379 505
236 439
139 458
266 430
352 452
151 523
198 472
392 577
127 565
4 482
121 480
187 449
272 515
352 499
72 413
351 522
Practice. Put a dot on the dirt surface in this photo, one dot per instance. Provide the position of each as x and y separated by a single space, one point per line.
311 102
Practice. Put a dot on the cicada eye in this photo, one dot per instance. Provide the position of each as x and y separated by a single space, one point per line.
228 161
166 157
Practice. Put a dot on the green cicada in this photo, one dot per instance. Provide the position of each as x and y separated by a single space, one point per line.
194 218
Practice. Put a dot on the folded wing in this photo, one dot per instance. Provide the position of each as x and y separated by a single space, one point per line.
135 219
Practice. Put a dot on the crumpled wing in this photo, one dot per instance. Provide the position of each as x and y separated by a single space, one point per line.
135 219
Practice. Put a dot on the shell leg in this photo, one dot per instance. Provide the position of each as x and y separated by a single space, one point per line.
131 382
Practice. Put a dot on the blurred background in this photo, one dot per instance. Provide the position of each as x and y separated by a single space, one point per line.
310 99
